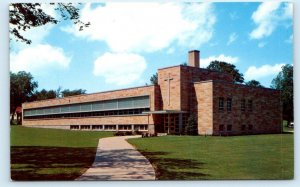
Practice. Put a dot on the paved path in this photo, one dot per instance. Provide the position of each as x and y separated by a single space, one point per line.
116 159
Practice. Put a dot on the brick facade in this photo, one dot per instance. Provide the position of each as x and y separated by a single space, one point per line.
183 91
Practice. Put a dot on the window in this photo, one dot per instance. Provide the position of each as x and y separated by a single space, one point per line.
250 127
243 104
250 105
243 127
229 103
229 127
221 127
221 103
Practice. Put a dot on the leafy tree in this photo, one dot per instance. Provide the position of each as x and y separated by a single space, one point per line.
45 94
227 68
284 82
191 127
67 92
184 64
22 87
254 83
24 16
154 79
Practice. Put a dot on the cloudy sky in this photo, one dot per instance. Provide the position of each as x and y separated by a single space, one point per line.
127 42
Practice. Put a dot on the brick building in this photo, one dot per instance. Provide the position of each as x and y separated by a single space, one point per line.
219 105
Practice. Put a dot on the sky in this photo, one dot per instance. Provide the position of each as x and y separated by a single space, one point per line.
127 42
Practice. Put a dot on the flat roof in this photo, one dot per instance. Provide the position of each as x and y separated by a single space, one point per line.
232 83
137 87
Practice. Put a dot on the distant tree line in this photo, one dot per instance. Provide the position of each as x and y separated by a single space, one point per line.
23 88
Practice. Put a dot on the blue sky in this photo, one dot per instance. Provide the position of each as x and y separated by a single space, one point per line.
127 42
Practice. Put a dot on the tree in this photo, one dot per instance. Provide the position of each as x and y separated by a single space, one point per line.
24 16
254 83
191 127
67 92
44 94
284 82
154 79
227 68
22 87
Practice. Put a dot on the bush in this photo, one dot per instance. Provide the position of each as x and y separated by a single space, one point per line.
191 127
118 133
128 133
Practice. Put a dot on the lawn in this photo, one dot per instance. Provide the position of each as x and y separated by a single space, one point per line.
235 157
50 154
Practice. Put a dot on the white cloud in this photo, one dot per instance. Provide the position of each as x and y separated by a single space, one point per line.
170 50
147 27
263 71
268 16
38 59
229 59
120 68
232 38
262 44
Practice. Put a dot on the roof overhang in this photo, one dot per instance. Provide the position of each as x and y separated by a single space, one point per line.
165 112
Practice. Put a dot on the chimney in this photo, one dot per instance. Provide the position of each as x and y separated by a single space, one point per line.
194 58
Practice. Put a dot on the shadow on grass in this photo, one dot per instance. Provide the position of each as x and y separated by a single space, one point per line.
49 163
174 169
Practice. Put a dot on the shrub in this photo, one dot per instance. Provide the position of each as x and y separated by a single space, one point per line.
191 127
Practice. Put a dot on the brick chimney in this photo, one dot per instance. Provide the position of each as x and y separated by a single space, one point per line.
194 58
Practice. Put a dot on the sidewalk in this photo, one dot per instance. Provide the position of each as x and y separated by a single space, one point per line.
116 159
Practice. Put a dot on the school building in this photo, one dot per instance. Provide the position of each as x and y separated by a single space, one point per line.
219 106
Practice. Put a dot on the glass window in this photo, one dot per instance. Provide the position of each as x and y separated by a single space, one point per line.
221 103
243 104
250 105
229 127
229 104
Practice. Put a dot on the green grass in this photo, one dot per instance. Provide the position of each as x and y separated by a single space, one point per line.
236 157
51 154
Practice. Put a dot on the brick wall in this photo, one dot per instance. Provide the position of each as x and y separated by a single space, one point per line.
202 107
107 120
175 88
265 116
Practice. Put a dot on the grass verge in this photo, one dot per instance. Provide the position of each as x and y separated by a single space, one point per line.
235 157
51 154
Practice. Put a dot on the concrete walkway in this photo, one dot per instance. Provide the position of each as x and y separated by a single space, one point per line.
116 159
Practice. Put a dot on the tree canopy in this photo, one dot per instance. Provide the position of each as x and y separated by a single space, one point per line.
67 92
44 94
254 83
227 68
22 87
284 82
154 79
24 16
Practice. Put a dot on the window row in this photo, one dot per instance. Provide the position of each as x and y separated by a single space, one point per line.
110 127
91 114
116 104
228 128
229 104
